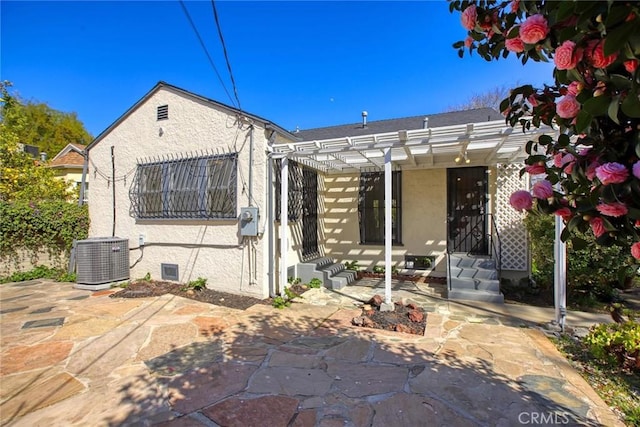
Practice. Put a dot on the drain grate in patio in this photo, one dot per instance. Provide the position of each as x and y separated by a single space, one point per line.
11 310
42 310
56 321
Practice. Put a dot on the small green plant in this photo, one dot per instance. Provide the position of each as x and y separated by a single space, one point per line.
616 343
280 302
196 285
40 272
352 265
315 283
123 285
378 269
147 277
294 280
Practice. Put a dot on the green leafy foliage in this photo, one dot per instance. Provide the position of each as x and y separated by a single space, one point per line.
50 225
616 343
40 272
378 269
352 265
35 123
280 302
315 283
196 285
593 102
294 280
593 272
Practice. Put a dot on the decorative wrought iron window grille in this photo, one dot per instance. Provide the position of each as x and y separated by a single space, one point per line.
187 188
371 208
295 196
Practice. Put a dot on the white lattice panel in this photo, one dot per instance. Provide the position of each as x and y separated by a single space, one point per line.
513 234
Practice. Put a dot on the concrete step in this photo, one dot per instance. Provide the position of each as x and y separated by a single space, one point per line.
477 273
341 279
476 295
332 274
475 284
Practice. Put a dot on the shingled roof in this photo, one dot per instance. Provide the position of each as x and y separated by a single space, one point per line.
69 157
477 115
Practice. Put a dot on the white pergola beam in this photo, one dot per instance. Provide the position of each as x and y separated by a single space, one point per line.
284 222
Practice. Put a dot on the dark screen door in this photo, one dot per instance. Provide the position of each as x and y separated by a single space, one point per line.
466 210
309 212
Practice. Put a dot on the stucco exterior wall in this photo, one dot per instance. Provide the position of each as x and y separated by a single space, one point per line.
211 249
424 214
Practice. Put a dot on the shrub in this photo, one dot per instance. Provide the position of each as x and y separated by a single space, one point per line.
593 272
40 272
48 225
315 283
197 285
616 343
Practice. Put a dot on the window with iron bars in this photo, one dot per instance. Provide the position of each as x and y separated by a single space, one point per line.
294 198
190 188
371 208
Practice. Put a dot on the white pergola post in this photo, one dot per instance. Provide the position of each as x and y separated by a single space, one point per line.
388 195
284 221
560 274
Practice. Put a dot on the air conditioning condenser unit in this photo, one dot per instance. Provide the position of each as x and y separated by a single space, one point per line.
101 261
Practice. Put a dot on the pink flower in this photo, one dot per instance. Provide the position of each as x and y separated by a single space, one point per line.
542 189
635 250
521 199
566 56
591 170
568 107
597 226
515 5
534 29
595 54
614 209
631 65
636 169
612 173
514 45
565 213
469 17
535 169
574 88
561 160
468 41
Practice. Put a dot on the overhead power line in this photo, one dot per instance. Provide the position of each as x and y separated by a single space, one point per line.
226 56
193 26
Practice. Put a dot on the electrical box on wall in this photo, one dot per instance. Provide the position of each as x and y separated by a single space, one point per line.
249 219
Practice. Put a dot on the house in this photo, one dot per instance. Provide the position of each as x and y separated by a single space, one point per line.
202 189
68 165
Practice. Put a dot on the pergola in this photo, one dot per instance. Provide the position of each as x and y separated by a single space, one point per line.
485 143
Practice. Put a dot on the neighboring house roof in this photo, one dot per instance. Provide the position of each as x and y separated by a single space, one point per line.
266 123
407 123
69 157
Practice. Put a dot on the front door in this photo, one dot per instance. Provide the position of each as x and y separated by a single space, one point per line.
309 212
466 210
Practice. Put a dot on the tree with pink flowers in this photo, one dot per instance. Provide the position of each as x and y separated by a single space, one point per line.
594 103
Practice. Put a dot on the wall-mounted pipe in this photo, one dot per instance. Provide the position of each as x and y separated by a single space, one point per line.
83 183
113 188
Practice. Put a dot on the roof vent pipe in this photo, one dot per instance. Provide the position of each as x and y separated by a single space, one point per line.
364 119
425 123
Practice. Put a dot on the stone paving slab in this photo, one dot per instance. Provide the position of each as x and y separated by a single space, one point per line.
175 362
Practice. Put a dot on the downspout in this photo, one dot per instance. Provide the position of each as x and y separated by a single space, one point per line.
113 187
270 217
83 183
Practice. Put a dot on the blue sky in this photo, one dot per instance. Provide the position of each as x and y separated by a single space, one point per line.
296 63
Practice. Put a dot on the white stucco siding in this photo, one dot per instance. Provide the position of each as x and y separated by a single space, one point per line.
212 249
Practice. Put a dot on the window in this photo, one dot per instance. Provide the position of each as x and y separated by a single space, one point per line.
371 208
163 112
191 188
294 198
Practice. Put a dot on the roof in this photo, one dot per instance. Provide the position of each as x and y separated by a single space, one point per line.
477 115
69 157
163 85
